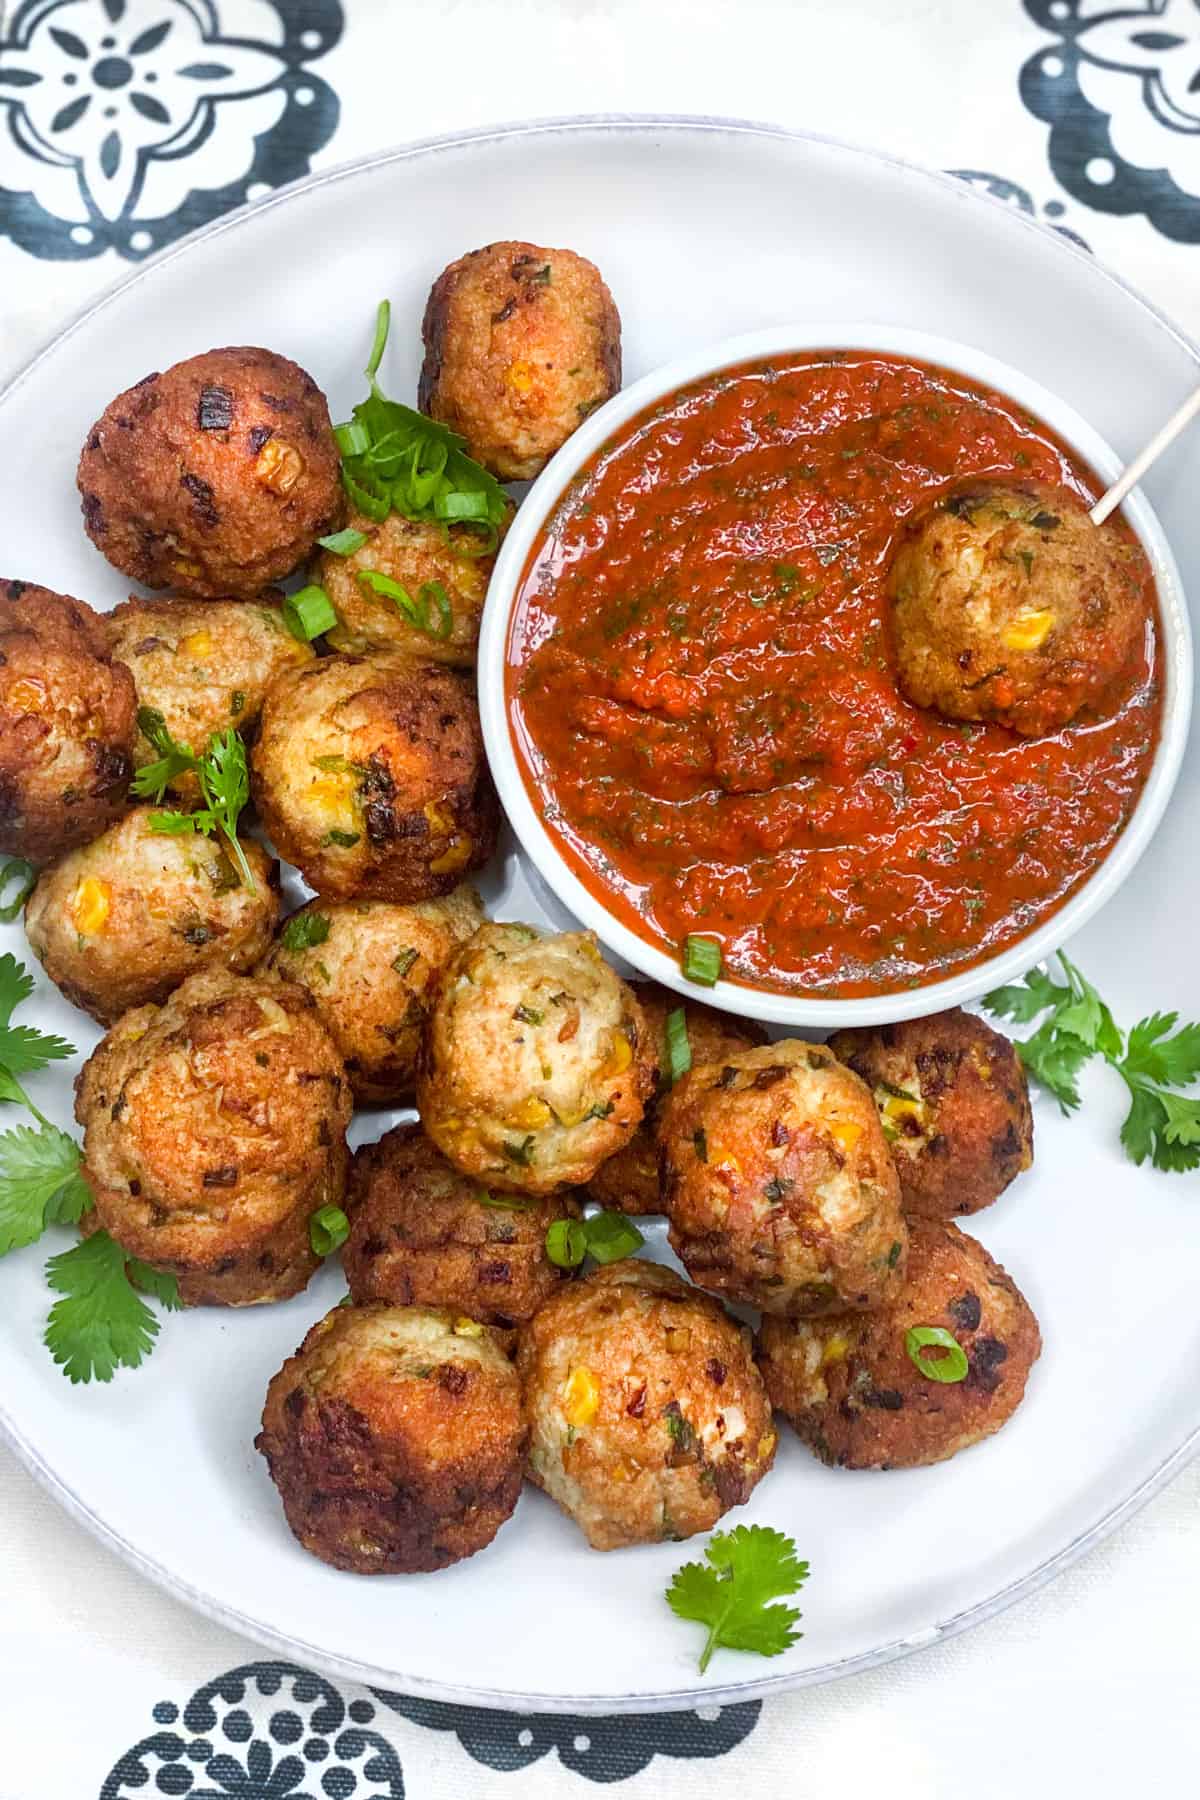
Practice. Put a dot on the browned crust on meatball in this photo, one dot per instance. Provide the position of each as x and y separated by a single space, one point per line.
778 1183
521 343
424 1234
1010 606
954 1102
214 477
647 1417
421 802
853 1393
67 724
629 1181
214 1126
383 1470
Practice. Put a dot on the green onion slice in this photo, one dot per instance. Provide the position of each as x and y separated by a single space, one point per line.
679 1049
952 1365
383 321
309 613
461 505
366 500
566 1243
352 438
25 875
343 543
610 1236
328 1229
505 1202
430 612
702 960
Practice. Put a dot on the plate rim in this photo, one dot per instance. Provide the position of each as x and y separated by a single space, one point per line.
682 1699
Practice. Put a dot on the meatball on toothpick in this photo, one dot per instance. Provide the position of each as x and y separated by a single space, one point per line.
648 1417
535 1064
943 1364
215 477
214 1126
778 1183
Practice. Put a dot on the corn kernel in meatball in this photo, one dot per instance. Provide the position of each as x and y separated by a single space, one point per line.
214 1126
395 1438
1009 605
954 1104
422 1233
215 477
628 1182
135 912
849 1384
534 1066
778 1183
370 776
67 724
201 666
521 344
370 965
648 1419
413 552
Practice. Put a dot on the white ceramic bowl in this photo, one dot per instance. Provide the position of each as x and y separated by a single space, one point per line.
797 1010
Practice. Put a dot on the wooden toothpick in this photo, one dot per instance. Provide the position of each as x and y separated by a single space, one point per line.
1110 501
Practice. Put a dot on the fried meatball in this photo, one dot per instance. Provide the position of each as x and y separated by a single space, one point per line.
535 1064
215 477
423 1233
370 776
67 723
1009 605
521 344
628 1181
853 1392
214 1126
370 965
954 1104
201 666
647 1416
412 552
395 1438
778 1184
135 912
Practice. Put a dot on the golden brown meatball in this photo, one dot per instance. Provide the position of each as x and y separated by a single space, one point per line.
954 1104
534 1066
412 552
778 1183
370 966
131 915
370 776
647 1416
1011 606
201 665
215 477
423 1233
66 723
214 1126
521 344
850 1385
628 1181
395 1438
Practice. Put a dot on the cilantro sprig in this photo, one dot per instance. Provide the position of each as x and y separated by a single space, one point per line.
1156 1057
101 1323
397 459
748 1568
223 777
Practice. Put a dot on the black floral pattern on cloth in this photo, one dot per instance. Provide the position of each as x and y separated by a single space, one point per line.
1120 89
999 187
126 123
264 1731
600 1749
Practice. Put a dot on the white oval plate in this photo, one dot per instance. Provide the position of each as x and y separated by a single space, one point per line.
702 228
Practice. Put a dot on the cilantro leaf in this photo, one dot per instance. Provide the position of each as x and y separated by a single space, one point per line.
101 1324
164 1287
41 1183
24 1049
1162 1054
748 1567
223 776
1025 999
1055 1058
16 985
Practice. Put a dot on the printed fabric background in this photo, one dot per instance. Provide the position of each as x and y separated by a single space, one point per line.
125 124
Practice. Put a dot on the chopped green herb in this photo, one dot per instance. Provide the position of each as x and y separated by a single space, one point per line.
700 1143
430 612
237 703
522 1153
679 1048
404 961
528 1015
303 930
505 1202
221 774
345 840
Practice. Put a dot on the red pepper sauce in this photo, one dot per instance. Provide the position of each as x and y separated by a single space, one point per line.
703 700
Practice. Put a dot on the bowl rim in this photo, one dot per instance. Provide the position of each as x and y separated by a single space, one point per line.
778 1008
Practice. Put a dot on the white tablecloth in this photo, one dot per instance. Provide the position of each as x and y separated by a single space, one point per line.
1087 122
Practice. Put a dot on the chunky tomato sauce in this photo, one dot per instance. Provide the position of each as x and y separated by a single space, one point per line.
702 695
